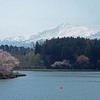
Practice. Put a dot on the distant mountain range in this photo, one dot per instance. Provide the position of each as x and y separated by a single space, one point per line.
63 30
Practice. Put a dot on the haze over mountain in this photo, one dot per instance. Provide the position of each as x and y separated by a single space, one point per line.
63 30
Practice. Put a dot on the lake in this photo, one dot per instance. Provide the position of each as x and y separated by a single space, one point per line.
39 85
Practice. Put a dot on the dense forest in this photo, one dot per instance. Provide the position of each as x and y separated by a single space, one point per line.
70 53
59 53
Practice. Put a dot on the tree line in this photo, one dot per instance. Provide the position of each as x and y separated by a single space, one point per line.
59 53
70 53
26 56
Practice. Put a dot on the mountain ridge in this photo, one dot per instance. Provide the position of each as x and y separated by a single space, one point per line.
63 30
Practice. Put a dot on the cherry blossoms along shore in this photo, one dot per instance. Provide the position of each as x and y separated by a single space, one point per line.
7 63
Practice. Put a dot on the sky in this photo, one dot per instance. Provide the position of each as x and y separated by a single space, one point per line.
27 17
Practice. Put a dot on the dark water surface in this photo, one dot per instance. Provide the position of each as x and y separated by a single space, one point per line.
46 86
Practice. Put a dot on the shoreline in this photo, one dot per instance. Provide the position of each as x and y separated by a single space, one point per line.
11 75
60 70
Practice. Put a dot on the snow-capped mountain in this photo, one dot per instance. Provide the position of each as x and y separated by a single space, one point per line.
63 30
67 30
16 41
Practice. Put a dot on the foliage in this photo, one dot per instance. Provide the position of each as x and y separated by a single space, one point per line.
30 57
77 53
76 50
7 62
32 60
82 62
61 65
82 59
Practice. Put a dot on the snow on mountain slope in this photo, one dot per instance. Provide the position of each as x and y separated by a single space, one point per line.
66 30
16 41
75 31
63 30
19 38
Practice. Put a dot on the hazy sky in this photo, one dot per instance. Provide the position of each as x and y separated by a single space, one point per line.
23 17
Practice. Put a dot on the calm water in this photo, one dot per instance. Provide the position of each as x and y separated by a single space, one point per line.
46 86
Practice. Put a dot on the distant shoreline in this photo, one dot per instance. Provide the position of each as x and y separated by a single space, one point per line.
62 70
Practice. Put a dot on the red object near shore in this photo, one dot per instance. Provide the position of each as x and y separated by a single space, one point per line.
60 87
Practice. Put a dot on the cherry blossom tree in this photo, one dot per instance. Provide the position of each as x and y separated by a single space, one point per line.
61 64
82 59
82 62
7 61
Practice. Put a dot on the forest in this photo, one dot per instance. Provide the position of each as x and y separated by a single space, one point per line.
59 53
70 53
